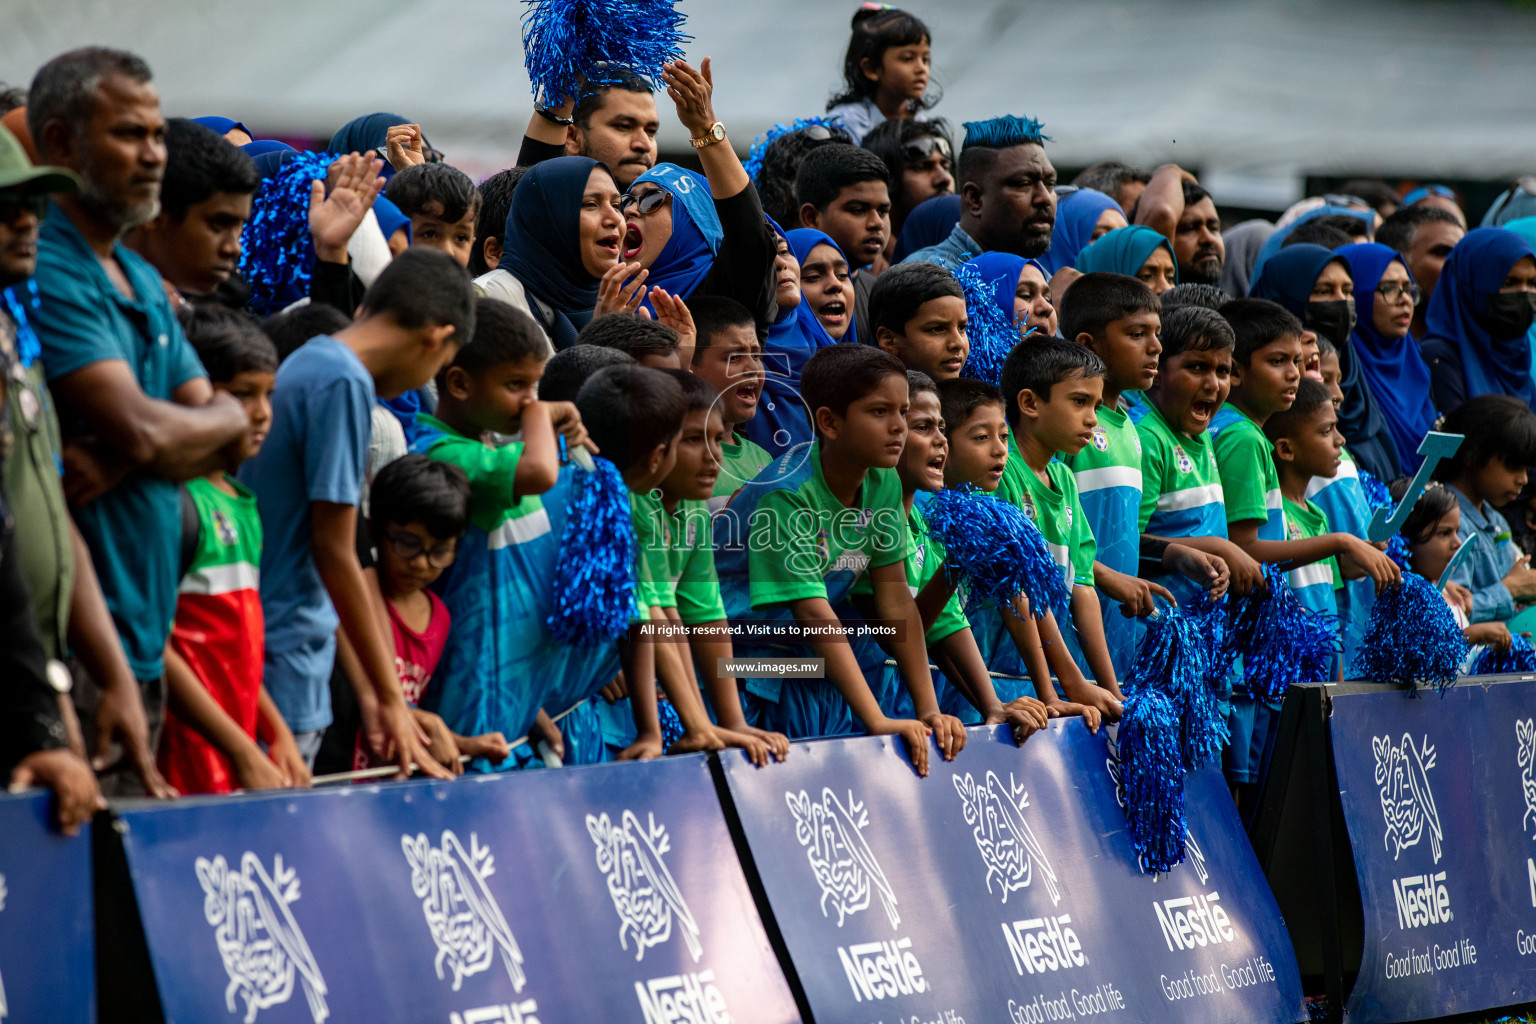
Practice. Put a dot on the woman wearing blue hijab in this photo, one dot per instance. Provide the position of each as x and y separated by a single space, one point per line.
1288 279
1082 217
1131 251
553 251
371 131
782 421
1394 371
693 243
1476 341
1525 227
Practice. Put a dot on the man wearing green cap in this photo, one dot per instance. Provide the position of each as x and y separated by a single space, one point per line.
36 560
136 409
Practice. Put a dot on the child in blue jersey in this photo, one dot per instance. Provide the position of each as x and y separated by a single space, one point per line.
1490 470
499 653
1342 500
1118 319
966 690
1307 445
1266 369
1053 389
1011 641
1181 500
792 543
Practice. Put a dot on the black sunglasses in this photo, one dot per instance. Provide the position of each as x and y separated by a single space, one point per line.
13 203
646 203
925 147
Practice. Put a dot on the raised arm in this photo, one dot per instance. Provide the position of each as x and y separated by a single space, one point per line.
693 92
1162 204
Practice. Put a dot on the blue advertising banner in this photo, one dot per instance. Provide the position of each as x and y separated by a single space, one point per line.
1440 802
610 893
47 924
1003 888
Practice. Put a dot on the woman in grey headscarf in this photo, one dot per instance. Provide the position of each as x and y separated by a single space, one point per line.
1243 244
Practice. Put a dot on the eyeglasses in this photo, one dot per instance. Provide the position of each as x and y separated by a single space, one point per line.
407 546
1392 291
13 203
646 203
925 147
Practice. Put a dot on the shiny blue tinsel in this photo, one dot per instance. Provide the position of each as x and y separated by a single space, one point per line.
568 44
595 572
997 551
671 724
754 161
1178 660
1280 640
277 255
1152 779
1521 657
28 348
1412 637
992 334
1377 496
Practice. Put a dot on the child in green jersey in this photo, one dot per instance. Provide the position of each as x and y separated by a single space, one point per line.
698 610
791 545
977 434
635 416
918 314
947 633
1054 388
729 356
218 707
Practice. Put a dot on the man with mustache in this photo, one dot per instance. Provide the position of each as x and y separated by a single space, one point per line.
1007 194
135 406
614 124
1175 206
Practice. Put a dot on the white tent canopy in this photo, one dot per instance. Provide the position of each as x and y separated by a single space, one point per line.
1254 94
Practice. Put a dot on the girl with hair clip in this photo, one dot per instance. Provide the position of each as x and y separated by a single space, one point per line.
885 72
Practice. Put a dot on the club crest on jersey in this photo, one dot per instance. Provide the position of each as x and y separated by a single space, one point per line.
1100 439
823 546
1029 506
228 535
1182 460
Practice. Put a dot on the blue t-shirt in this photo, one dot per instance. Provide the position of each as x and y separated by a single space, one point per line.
314 452
134 530
1108 474
1343 501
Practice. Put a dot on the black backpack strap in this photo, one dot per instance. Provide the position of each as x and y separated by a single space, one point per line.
191 533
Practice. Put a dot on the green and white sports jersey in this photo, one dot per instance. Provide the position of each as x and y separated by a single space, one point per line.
740 462
691 564
924 561
1182 493
1056 510
653 541
1248 476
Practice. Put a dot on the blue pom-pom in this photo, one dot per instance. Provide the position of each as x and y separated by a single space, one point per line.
1003 132
1377 496
1152 779
28 347
1280 640
992 335
996 550
1412 637
595 572
277 255
671 724
754 161
1179 660
1521 657
569 45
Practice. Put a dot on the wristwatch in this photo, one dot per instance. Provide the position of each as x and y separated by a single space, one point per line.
715 134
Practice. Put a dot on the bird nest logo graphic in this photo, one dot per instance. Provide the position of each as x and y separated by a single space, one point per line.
1407 805
644 893
462 915
1007 844
1193 855
1525 738
844 865
259 940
